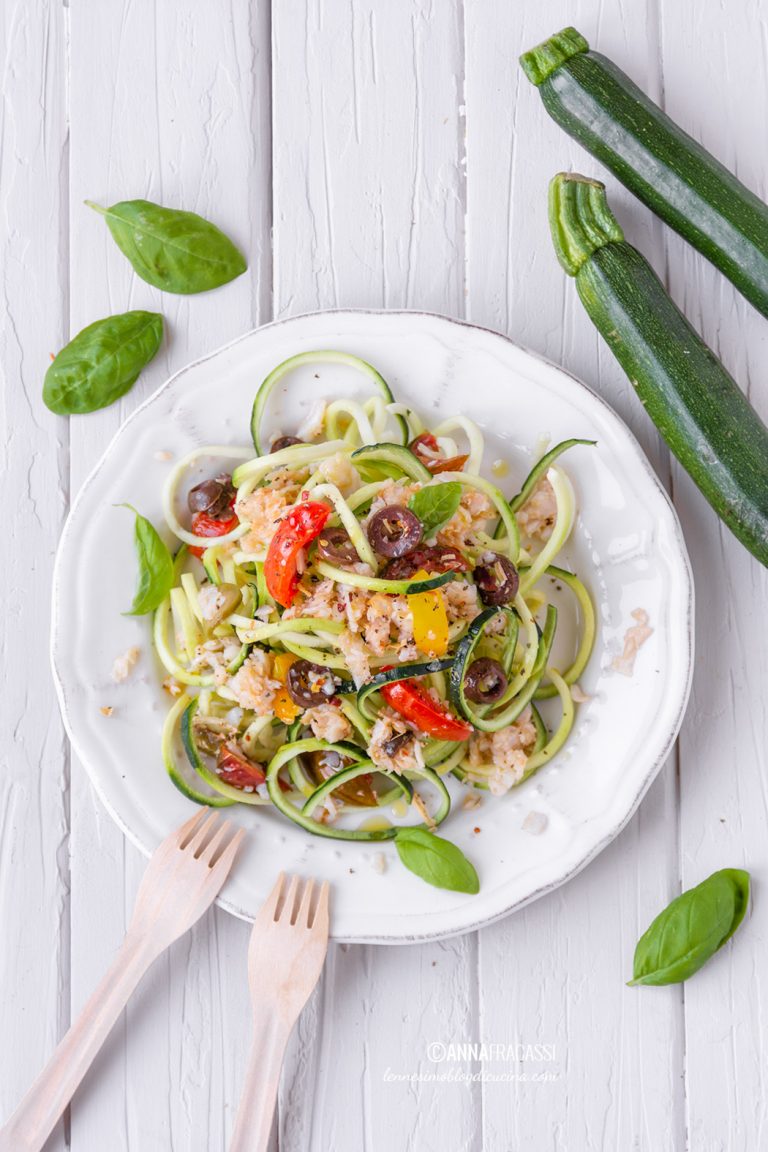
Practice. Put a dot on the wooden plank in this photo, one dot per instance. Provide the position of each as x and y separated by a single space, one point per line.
555 973
369 212
718 93
34 766
170 102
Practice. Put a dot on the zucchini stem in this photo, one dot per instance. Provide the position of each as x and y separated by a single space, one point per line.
540 62
580 219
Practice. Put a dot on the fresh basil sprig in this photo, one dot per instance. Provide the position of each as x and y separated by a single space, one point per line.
691 929
155 567
173 250
102 362
436 860
435 505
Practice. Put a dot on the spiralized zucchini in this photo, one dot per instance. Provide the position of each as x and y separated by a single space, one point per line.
418 669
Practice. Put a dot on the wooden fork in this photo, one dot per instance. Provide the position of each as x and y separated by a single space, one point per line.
182 880
285 958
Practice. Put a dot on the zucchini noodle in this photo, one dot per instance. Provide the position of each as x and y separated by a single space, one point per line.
419 635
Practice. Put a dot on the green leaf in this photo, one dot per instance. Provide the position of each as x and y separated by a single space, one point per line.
176 251
155 567
691 929
102 362
435 505
435 860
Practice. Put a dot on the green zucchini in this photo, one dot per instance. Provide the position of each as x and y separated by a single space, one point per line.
391 676
465 654
233 795
378 584
697 406
392 456
167 740
322 357
540 469
597 104
509 707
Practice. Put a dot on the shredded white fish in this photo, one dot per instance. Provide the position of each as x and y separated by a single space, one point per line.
535 823
252 686
634 638
505 751
536 518
473 515
408 755
124 665
328 723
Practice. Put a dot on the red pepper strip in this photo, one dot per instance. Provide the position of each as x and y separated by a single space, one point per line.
415 705
205 525
300 527
432 459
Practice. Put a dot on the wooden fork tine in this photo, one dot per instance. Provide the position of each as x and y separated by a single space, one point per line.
201 832
266 913
288 909
184 834
221 833
224 862
320 919
302 919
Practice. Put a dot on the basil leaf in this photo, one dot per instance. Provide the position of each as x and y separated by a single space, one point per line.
435 860
176 251
435 505
102 362
691 929
155 567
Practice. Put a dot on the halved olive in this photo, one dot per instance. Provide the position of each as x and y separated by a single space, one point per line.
485 681
285 442
334 545
394 531
430 557
496 579
309 684
397 743
212 496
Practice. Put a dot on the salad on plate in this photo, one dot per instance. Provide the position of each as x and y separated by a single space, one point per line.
358 614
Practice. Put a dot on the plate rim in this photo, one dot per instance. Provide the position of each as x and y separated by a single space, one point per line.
679 540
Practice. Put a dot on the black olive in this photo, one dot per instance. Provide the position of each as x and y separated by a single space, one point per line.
334 544
496 579
285 442
430 557
309 684
485 681
213 497
394 531
396 744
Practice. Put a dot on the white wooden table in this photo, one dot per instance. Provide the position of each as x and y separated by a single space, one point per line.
373 153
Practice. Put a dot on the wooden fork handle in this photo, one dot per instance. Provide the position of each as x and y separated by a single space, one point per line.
35 1118
262 1078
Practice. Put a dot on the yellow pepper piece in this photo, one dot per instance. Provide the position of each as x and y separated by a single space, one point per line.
284 707
430 620
281 664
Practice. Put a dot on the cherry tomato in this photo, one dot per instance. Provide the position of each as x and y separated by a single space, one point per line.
413 704
432 459
300 527
205 525
237 770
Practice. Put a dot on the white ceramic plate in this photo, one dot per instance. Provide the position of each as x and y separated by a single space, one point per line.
626 545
